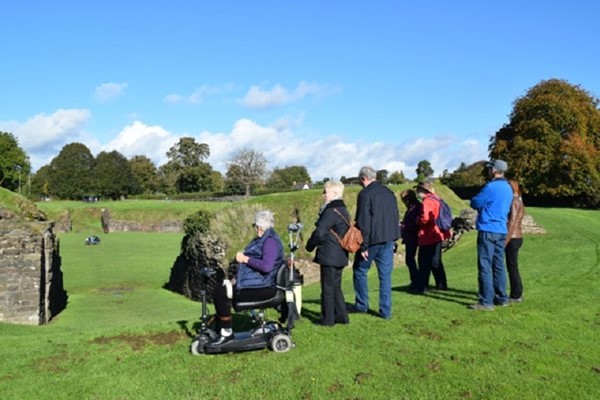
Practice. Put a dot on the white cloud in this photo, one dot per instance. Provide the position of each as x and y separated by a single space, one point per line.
259 98
334 157
284 143
42 136
109 91
140 139
200 94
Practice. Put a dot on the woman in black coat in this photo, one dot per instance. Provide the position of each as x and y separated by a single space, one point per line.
330 255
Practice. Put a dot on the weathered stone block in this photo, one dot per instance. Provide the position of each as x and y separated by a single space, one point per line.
31 286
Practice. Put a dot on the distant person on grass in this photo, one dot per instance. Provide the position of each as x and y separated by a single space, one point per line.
409 230
330 255
378 219
493 204
430 238
514 241
256 274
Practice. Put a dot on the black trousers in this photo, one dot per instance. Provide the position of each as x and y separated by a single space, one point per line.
333 305
512 266
410 258
430 261
223 303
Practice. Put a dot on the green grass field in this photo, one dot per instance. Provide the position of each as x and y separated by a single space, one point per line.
122 336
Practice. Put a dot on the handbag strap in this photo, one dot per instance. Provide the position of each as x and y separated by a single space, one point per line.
340 214
339 239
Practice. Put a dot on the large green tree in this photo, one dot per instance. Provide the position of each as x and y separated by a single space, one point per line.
285 178
186 171
396 178
233 180
145 173
167 178
40 182
552 142
196 179
113 177
188 153
14 163
424 170
71 172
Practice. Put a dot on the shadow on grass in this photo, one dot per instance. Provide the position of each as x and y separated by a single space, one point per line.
458 296
315 316
311 315
241 322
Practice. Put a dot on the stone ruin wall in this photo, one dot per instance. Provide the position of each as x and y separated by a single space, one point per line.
31 282
111 225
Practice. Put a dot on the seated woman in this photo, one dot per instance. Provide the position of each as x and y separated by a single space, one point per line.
256 275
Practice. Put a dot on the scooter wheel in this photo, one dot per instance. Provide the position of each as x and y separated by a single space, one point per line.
197 347
280 343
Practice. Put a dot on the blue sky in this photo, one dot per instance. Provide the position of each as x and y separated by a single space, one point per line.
331 85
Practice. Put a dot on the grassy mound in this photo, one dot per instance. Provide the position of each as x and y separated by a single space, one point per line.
20 206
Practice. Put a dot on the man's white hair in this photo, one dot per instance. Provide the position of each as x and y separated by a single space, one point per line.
367 172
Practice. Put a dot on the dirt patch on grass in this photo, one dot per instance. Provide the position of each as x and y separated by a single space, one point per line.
59 363
362 377
423 333
435 366
140 342
336 387
116 289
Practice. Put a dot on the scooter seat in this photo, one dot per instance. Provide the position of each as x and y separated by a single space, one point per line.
273 302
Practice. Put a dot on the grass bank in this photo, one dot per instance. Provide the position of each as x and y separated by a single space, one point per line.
86 216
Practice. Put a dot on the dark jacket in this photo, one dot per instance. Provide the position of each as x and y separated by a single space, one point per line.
410 227
329 251
248 277
377 215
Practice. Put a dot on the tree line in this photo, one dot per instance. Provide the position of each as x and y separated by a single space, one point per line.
551 143
76 174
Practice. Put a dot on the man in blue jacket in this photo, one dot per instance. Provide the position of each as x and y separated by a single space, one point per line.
493 205
378 219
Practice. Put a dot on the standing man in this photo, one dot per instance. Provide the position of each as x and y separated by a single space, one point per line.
493 205
378 219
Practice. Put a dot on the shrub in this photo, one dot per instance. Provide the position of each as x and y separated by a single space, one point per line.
199 222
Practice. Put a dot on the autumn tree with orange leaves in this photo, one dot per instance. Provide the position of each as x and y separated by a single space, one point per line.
552 143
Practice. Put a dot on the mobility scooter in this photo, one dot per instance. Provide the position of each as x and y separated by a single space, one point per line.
267 334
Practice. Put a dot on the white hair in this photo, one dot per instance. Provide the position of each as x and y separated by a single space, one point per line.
264 219
336 188
367 172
